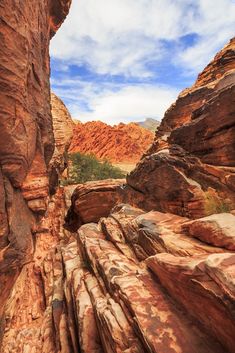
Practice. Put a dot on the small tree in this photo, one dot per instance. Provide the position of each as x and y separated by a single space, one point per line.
84 168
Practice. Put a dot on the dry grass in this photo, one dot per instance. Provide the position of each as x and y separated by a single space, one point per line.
215 204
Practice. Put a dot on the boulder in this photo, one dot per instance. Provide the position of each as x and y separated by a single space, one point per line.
217 229
93 200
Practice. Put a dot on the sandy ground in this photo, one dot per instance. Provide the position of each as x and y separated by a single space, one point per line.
126 167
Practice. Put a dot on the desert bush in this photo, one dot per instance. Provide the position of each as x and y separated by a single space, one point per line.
86 167
215 204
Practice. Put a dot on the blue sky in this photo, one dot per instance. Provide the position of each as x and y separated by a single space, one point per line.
125 60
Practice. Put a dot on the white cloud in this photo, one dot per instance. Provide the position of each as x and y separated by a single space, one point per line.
131 104
121 36
213 22
113 103
117 36
135 39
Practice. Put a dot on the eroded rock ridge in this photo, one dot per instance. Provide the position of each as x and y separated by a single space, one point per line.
118 143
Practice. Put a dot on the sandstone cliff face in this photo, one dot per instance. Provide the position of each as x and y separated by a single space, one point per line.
190 168
119 143
63 127
26 132
28 318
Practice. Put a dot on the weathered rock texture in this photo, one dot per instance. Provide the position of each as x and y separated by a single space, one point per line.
190 168
93 200
118 143
135 282
131 281
26 131
29 325
217 229
63 126
202 282
170 278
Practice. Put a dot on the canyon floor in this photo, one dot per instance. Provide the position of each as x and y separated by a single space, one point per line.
126 167
129 282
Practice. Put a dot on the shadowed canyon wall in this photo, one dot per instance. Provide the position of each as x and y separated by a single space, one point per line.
63 127
26 131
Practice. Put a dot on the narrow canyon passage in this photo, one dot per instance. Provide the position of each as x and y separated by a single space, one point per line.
144 264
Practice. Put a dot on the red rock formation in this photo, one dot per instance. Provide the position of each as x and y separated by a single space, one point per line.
190 168
29 323
202 282
99 296
217 229
133 282
26 133
172 277
118 143
93 200
220 66
63 126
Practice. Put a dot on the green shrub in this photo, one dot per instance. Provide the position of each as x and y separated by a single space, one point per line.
86 167
215 204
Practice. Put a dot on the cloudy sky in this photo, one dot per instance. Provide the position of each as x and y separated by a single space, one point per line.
125 60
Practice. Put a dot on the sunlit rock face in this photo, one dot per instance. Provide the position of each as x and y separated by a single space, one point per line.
190 168
119 143
26 131
133 282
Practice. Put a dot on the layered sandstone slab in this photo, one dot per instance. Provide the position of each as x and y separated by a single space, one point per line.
213 142
218 74
91 291
217 229
205 287
159 324
140 235
171 180
222 63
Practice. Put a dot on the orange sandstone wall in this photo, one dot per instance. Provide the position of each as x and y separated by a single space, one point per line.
118 143
26 132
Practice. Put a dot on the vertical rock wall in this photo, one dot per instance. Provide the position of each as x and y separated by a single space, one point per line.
26 131
63 126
